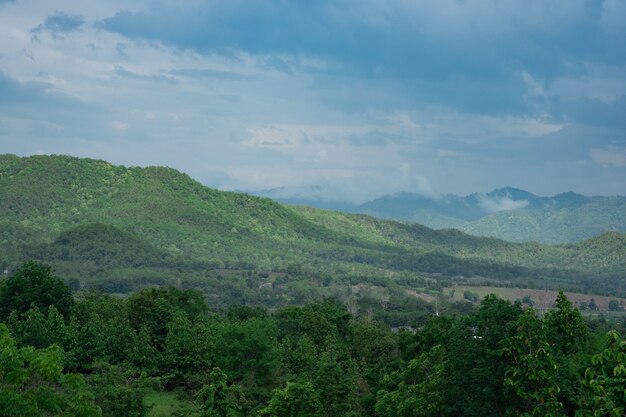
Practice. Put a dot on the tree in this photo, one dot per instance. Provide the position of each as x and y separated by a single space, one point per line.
188 350
297 399
117 391
33 384
477 370
417 390
567 333
101 332
153 308
604 392
218 399
33 328
336 382
249 354
530 375
565 325
614 306
34 284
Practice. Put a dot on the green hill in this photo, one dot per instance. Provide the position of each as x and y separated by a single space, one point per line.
554 225
121 228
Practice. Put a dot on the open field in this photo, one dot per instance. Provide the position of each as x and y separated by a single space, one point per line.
541 299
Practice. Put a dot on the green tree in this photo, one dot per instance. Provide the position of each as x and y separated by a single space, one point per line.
530 377
153 308
614 306
249 354
477 370
568 335
566 328
39 330
418 389
335 379
218 398
34 284
189 347
32 383
297 399
101 332
118 391
604 384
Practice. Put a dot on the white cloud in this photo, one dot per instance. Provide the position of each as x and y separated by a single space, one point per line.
117 125
493 205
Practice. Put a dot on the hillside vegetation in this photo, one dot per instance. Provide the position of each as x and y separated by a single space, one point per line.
119 229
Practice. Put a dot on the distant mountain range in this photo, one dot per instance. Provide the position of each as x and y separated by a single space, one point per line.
506 213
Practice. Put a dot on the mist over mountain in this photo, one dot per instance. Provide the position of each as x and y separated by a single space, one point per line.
507 213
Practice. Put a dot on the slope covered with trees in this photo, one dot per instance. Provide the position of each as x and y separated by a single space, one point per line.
118 229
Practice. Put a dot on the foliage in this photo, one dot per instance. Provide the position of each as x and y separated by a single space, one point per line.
604 392
530 375
121 229
34 284
297 399
316 359
218 399
118 391
418 390
33 384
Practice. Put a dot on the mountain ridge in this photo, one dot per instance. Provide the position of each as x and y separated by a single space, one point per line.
507 213
85 216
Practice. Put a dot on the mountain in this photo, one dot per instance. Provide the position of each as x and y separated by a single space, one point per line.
506 213
119 229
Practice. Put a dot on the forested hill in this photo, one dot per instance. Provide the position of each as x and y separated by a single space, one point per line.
126 227
508 213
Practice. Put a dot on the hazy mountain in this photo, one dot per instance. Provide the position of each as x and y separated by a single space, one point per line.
506 213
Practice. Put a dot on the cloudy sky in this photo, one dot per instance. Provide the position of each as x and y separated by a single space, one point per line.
354 98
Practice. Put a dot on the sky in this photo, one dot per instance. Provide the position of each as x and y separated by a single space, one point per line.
342 100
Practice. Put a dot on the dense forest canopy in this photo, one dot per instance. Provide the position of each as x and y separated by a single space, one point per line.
164 351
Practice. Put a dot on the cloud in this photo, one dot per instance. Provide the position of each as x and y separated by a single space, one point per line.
496 204
117 125
373 97
14 94
60 22
413 182
123 72
433 40
208 73
484 57
609 156
6 1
